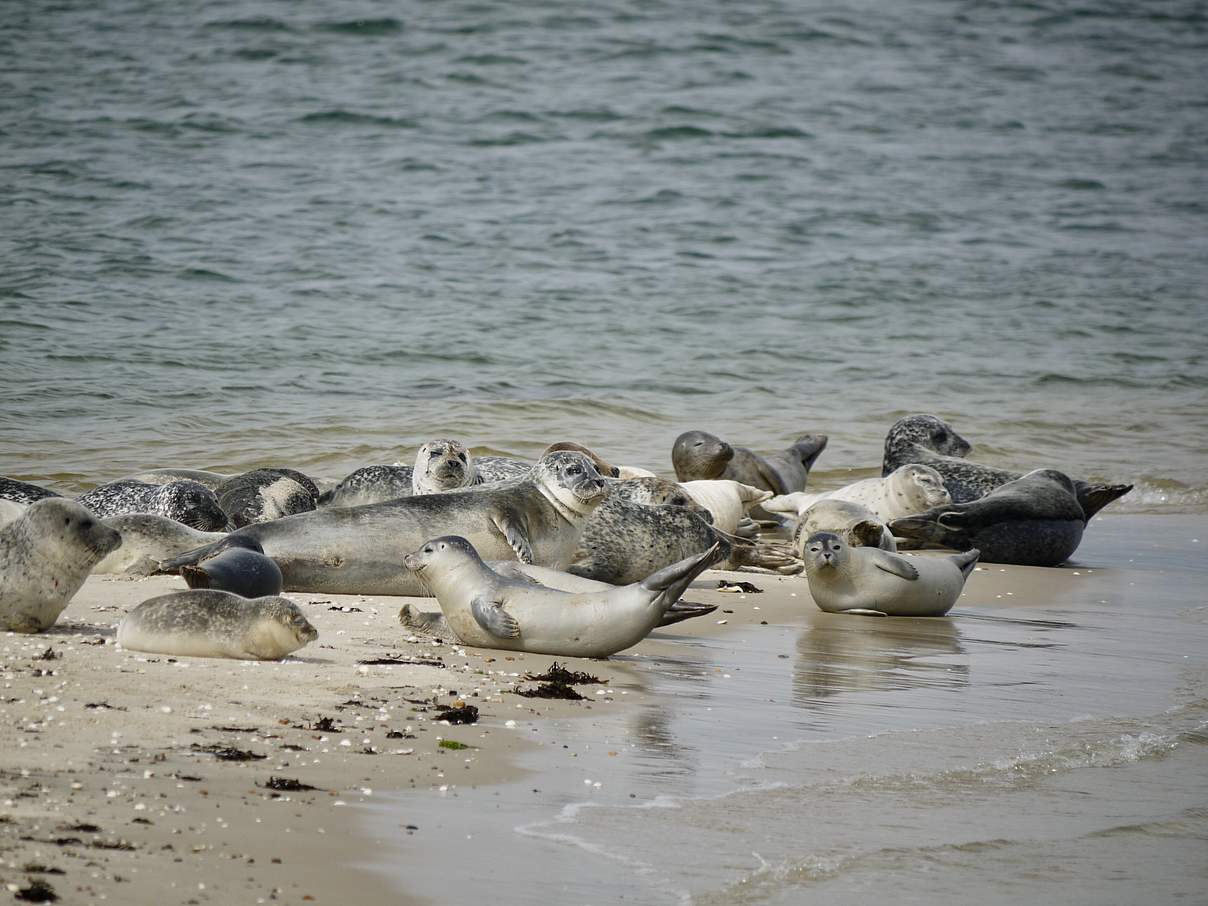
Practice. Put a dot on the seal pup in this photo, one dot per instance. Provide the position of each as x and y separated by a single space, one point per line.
187 502
908 489
873 582
166 476
1035 520
371 484
854 523
241 569
209 623
45 556
147 540
22 491
266 494
932 441
699 455
355 550
488 611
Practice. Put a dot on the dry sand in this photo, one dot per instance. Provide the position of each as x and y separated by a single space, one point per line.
115 784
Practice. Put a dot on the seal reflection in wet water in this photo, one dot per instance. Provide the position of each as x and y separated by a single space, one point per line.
487 610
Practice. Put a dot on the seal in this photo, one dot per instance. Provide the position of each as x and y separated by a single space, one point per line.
22 491
242 570
208 623
873 582
266 494
932 441
166 476
443 465
504 468
356 550
147 540
727 501
488 611
699 455
1035 520
187 502
45 556
371 484
908 489
853 523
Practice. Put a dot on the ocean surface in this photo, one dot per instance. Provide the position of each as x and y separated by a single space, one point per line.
316 234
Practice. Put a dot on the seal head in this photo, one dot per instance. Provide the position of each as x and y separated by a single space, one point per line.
570 481
700 455
442 465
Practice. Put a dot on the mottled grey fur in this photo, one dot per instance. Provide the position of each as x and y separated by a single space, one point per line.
266 494
22 492
371 484
187 502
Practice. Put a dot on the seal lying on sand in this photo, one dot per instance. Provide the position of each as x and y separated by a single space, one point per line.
699 455
216 624
22 491
147 540
931 441
854 523
729 502
356 550
1034 520
488 611
241 569
909 489
266 494
873 582
45 556
188 502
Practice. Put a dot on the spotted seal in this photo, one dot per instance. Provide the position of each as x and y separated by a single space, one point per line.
166 476
488 611
699 455
148 539
1035 520
852 522
266 494
207 623
932 441
870 581
356 550
45 556
22 491
371 484
187 502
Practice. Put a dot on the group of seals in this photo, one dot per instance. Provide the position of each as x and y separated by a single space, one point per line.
488 610
45 556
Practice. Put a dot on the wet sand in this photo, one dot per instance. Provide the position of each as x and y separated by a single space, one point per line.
1027 744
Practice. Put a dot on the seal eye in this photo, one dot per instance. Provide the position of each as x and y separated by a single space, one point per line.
574 470
461 456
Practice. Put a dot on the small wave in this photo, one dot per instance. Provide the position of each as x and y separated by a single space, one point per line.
342 117
366 28
677 133
1157 495
251 23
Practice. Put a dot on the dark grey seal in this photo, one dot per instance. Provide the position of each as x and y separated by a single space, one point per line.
698 455
241 569
23 492
266 494
931 441
188 502
1034 520
359 550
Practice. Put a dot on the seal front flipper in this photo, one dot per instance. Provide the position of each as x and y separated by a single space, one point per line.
426 622
864 612
491 616
516 537
895 566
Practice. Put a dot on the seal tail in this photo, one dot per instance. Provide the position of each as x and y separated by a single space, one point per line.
1094 497
809 447
190 558
195 576
671 581
966 561
685 610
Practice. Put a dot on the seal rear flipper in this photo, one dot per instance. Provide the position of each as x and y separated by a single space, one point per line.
491 616
808 447
685 610
892 564
191 558
926 528
516 537
966 561
1094 497
195 576
672 580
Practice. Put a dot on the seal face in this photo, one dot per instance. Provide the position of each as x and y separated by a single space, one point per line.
355 550
188 502
931 441
487 610
1035 520
870 581
266 494
210 623
45 556
443 465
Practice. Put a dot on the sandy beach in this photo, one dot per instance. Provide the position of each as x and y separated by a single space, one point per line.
118 785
